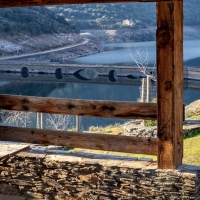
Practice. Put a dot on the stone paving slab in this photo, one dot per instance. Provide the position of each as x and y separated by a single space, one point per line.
7 149
11 197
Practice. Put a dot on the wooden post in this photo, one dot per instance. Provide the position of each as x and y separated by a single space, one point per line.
78 123
148 92
42 120
170 83
143 90
38 120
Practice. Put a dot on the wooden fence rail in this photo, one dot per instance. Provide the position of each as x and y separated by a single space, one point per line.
112 109
80 140
84 108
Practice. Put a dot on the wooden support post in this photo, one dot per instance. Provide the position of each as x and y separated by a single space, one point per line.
42 120
143 90
38 120
170 83
148 97
78 123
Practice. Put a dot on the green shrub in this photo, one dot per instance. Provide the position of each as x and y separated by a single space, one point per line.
150 122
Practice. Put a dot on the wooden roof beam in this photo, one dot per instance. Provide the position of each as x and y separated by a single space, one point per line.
20 3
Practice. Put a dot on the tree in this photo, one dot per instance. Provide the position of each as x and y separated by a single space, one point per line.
17 118
60 122
141 60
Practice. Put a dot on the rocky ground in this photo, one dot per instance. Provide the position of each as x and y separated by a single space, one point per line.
24 44
193 106
61 56
136 127
21 44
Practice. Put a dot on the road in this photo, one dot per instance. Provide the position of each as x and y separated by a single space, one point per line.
45 52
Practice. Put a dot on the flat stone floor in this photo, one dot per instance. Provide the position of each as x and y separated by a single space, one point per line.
11 197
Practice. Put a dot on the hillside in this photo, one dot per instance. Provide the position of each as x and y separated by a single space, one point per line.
121 15
32 21
33 29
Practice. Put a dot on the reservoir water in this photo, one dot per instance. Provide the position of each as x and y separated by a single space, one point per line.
117 54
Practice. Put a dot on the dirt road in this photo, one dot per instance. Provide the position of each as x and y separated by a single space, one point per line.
44 52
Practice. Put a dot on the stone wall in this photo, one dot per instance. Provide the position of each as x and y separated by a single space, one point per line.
74 177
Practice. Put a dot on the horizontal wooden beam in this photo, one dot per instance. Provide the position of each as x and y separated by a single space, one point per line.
19 3
80 140
112 109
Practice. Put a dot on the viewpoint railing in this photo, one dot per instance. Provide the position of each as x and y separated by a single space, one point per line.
169 52
111 109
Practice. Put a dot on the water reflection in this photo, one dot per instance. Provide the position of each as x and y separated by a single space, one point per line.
73 90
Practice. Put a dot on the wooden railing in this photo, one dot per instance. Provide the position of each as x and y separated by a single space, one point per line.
83 108
169 51
111 109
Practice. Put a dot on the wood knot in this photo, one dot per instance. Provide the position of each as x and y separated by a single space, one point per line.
164 37
25 101
168 86
25 108
110 108
71 106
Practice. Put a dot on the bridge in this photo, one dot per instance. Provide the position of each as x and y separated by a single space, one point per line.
189 84
52 68
71 69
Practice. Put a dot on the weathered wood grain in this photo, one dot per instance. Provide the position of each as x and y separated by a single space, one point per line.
80 140
18 3
7 150
111 109
170 83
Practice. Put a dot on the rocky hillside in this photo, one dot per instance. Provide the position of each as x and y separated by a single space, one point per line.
32 21
34 29
121 15
24 43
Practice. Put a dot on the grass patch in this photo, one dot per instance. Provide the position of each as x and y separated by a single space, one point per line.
150 122
113 129
192 150
193 114
191 145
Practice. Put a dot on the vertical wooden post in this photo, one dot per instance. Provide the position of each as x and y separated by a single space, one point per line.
38 120
169 38
143 90
148 97
78 123
42 120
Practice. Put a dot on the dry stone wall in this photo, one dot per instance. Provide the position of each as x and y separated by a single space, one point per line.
75 177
